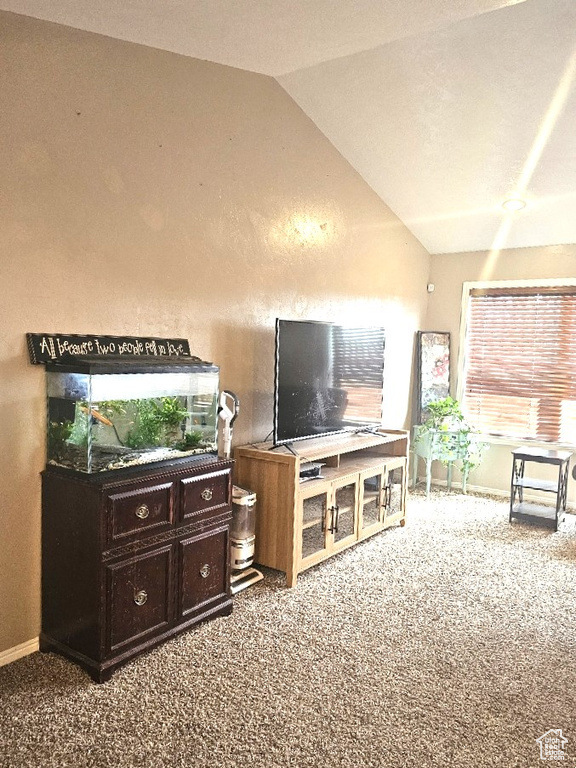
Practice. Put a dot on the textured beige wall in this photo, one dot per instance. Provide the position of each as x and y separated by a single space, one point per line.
144 193
448 272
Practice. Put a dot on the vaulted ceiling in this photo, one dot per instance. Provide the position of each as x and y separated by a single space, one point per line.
445 107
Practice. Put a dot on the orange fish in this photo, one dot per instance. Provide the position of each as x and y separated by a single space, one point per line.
97 415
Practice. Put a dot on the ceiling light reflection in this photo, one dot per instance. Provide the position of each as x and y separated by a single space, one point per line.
514 204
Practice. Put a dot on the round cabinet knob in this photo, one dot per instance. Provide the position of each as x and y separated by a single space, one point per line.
140 597
142 512
205 571
206 494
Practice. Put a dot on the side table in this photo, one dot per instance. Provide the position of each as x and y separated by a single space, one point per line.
543 514
446 446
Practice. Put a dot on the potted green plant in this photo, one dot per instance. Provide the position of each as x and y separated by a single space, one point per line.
447 435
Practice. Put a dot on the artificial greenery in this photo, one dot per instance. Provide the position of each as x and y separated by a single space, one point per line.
189 440
170 411
81 426
58 434
149 423
156 422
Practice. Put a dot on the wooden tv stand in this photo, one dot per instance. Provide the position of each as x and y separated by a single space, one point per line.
362 490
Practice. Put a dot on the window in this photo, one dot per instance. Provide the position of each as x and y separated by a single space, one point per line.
520 361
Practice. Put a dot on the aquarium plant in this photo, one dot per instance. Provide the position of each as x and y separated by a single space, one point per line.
58 434
156 422
189 440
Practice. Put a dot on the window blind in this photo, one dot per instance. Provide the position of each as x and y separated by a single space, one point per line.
358 363
520 364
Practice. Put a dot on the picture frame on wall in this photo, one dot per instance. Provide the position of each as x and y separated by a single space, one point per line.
433 363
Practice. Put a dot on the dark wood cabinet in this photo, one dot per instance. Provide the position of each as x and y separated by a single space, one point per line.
128 562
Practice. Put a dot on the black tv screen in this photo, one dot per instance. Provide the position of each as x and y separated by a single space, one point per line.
328 379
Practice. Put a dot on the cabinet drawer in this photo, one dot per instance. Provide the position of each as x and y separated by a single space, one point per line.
140 510
205 495
203 574
139 597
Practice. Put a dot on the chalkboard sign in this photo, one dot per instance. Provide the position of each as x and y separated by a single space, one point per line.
46 347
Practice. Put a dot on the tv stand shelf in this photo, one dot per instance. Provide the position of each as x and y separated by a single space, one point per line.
300 523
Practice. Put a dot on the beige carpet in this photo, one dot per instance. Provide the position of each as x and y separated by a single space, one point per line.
450 642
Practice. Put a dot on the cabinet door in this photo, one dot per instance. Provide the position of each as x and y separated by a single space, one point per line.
372 500
139 602
342 518
395 493
204 579
313 512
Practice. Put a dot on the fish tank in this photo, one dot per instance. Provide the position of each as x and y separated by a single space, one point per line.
112 414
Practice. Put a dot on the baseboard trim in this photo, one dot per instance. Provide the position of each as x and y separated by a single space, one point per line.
18 651
457 485
570 508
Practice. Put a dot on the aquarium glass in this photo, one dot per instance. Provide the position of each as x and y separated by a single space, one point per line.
101 421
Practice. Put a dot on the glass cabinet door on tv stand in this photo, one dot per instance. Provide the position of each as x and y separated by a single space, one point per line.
372 500
344 497
327 518
382 497
396 481
313 510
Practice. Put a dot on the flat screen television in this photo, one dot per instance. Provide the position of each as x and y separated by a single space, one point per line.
328 379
